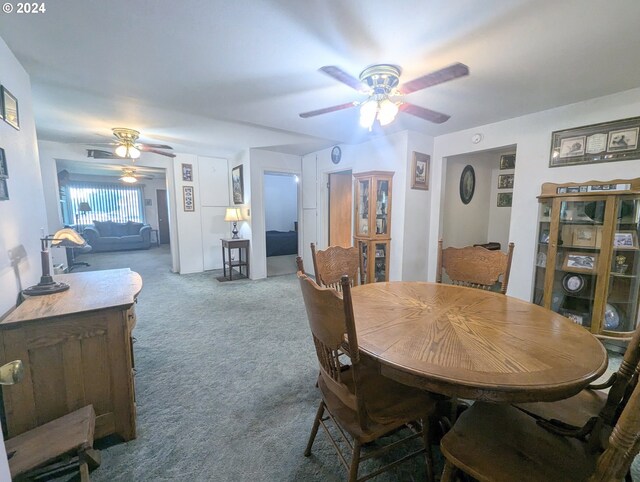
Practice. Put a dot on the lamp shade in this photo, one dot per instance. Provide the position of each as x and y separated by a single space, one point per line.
84 207
67 238
233 214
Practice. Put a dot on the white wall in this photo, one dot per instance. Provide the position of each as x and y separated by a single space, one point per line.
212 177
310 194
262 161
417 202
280 202
532 135
23 216
200 230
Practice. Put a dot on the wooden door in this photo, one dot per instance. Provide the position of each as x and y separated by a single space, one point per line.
340 203
163 216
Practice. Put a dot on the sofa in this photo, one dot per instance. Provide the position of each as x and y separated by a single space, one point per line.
112 236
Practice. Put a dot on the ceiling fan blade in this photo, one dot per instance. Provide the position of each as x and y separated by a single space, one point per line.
100 154
162 153
144 146
426 114
341 76
434 78
326 110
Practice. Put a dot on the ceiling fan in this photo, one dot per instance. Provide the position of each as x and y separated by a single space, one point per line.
130 177
384 96
127 146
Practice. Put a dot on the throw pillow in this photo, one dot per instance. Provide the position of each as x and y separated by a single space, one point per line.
103 227
133 228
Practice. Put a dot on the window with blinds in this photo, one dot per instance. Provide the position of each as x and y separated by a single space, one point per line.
106 201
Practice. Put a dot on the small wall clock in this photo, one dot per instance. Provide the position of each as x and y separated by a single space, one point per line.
336 154
467 184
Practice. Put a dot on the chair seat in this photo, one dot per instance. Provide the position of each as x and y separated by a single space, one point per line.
575 411
43 444
389 404
500 443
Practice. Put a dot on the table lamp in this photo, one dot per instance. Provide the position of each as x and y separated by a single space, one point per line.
66 238
234 215
83 209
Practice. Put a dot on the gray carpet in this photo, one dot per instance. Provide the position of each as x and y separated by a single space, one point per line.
225 381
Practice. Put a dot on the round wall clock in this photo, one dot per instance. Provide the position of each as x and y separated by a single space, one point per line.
336 154
573 283
467 184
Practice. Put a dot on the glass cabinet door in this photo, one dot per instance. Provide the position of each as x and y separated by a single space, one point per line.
621 309
578 242
364 255
380 263
362 221
382 208
544 228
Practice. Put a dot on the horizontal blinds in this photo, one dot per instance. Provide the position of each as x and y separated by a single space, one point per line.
108 202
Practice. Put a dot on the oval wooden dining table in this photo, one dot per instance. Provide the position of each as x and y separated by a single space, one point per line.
475 344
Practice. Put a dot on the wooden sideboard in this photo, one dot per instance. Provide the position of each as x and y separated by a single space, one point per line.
77 350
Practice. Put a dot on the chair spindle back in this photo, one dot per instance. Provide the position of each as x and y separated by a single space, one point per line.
334 262
475 266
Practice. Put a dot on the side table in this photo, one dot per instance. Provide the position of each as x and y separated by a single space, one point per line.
240 245
155 237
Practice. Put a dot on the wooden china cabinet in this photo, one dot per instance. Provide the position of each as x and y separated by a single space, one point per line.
373 223
587 260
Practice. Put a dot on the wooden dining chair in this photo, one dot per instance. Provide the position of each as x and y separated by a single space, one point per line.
587 413
355 397
500 443
330 264
475 266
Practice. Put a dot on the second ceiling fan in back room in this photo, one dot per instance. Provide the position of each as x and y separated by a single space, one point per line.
127 146
385 97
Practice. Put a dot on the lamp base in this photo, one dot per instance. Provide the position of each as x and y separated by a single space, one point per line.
234 231
45 287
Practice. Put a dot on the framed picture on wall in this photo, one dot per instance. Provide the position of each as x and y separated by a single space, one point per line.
508 161
420 171
505 199
187 198
604 142
187 172
4 171
4 190
237 183
10 109
505 181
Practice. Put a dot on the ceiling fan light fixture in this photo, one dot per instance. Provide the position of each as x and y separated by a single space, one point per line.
121 150
127 151
128 176
129 179
387 111
134 152
368 112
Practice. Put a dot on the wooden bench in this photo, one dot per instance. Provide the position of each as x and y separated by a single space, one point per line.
39 451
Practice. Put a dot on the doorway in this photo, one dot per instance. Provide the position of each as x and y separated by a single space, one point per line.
281 222
163 216
340 208
485 217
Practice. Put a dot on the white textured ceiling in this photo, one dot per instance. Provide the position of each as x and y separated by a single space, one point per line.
215 76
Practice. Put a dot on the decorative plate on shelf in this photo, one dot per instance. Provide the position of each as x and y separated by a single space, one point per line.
611 317
573 283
